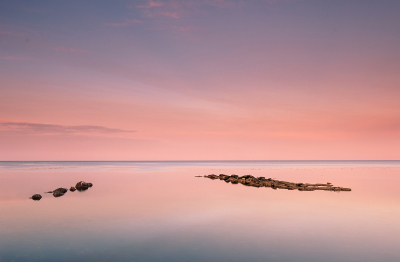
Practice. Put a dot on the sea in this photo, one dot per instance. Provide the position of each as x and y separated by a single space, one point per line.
167 211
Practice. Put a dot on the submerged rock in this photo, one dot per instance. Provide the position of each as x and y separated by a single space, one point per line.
59 192
36 197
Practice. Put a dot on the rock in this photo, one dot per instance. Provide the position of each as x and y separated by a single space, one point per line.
267 183
249 180
223 177
59 192
72 189
212 176
36 197
82 185
326 188
232 180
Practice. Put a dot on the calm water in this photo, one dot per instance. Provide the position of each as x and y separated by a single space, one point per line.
158 211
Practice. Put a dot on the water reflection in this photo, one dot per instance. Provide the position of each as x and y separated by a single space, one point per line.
170 215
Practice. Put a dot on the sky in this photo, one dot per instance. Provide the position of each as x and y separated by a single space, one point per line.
199 80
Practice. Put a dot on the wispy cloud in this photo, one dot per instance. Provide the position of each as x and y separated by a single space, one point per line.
3 32
150 4
40 128
184 28
127 22
14 58
179 8
69 50
169 14
168 9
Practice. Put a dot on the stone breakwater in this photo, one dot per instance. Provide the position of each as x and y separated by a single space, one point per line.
249 180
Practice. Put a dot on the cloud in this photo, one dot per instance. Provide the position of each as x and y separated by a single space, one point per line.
69 50
151 4
39 128
184 28
169 14
168 9
127 22
9 33
14 58
179 8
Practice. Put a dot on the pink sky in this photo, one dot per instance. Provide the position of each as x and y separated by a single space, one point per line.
181 80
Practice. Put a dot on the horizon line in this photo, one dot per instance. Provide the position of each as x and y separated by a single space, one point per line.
231 160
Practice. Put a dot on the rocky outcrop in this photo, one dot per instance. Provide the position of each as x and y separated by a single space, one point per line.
36 197
249 180
59 192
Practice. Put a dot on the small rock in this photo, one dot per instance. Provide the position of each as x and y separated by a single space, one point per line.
36 197
82 185
59 192
72 189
